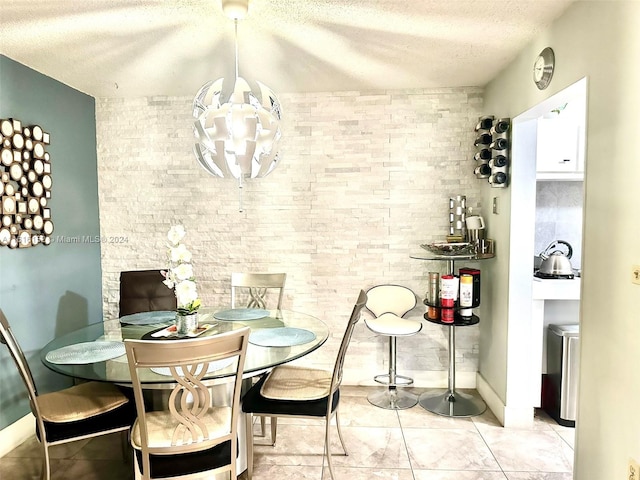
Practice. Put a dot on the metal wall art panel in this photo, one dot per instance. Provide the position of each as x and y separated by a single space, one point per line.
25 190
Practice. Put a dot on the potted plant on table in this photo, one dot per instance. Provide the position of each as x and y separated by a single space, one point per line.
180 277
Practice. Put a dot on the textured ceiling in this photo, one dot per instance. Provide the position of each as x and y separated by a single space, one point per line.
132 48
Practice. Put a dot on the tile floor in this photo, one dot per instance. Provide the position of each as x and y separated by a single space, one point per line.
408 444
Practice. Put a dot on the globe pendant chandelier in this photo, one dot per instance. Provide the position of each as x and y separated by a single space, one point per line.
238 133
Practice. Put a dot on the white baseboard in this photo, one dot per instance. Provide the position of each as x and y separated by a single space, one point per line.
16 433
509 417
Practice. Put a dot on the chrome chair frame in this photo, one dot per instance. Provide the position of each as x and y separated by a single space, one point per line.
79 425
254 403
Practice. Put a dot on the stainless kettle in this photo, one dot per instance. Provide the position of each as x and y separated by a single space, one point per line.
555 263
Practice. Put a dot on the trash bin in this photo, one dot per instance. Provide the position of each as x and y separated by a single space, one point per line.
560 384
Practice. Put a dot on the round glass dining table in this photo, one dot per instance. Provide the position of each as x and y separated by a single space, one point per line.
270 342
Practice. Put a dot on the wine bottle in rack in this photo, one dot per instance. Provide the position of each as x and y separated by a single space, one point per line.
499 144
498 178
500 126
482 171
484 154
483 139
498 161
484 123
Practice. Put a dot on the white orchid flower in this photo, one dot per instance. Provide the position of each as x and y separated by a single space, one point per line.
184 271
176 233
186 292
180 254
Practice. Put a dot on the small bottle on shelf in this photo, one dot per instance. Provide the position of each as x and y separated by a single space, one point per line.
433 294
448 294
466 294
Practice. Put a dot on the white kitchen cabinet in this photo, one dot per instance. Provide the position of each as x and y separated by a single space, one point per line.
558 149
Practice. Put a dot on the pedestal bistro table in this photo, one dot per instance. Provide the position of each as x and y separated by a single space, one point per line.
449 402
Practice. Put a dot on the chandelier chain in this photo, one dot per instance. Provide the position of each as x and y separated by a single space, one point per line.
236 42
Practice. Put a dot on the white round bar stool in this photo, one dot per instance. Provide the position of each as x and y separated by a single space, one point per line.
388 304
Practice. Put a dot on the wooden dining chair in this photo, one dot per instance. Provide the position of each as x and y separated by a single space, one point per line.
295 391
83 411
187 436
257 286
388 304
143 291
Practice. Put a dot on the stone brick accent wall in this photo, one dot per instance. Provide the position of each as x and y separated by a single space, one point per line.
365 178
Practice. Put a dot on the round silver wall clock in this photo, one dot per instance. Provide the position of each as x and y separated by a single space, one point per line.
543 68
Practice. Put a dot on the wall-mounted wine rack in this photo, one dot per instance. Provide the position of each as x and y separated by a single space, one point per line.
493 150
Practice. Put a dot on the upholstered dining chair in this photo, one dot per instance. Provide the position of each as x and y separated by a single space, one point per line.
188 436
257 285
143 291
388 304
296 391
83 411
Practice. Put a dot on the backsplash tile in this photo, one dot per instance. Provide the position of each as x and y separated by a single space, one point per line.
559 216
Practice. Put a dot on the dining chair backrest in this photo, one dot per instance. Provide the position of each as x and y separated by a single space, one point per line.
394 299
258 285
143 291
336 378
7 337
188 422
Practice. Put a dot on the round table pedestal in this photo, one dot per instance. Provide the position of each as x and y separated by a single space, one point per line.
393 399
452 404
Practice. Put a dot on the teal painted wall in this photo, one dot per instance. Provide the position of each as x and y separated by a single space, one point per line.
46 291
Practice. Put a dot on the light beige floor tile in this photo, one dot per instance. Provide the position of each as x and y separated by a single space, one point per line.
448 449
356 411
418 417
31 448
529 450
370 447
457 475
92 470
380 442
106 447
369 473
16 468
568 435
277 472
538 476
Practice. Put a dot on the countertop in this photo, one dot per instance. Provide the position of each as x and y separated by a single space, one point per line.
556 289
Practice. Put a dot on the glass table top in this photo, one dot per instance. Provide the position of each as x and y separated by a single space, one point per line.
258 358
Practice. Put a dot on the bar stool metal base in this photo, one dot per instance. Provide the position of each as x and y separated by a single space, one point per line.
393 380
393 399
452 404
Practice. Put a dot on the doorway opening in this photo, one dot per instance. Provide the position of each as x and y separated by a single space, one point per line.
535 180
